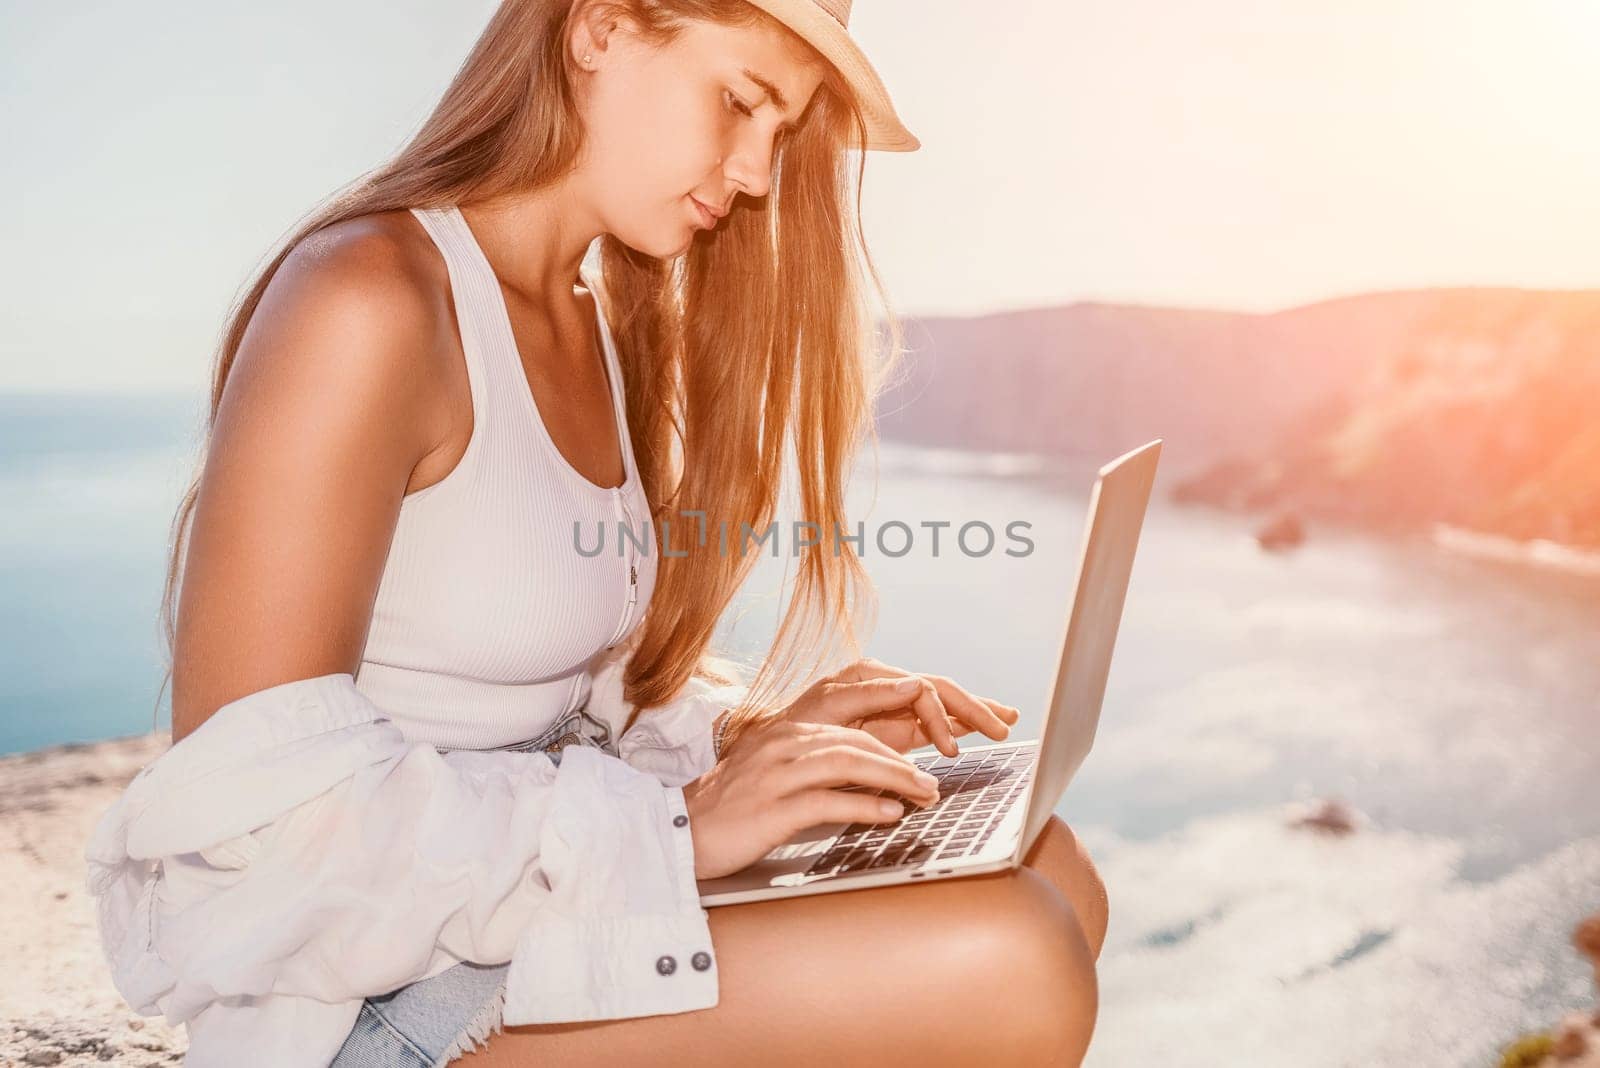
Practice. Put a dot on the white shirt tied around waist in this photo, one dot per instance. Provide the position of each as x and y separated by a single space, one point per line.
296 854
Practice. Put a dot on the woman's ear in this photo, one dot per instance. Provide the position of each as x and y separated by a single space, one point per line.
594 23
589 30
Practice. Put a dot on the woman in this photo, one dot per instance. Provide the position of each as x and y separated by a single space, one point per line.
414 406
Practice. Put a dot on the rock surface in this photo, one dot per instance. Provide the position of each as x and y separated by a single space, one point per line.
57 1004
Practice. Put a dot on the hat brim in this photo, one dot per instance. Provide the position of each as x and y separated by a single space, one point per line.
885 131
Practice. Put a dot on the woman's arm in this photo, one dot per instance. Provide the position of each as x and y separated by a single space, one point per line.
325 414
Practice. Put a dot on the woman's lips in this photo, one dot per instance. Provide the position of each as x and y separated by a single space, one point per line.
707 220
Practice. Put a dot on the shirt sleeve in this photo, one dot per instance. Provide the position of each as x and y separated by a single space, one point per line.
581 875
671 741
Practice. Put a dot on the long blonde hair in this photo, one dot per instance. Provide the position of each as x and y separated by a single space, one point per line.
757 336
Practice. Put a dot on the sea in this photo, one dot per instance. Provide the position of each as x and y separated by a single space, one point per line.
1452 701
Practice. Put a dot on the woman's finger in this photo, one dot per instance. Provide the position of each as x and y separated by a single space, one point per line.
808 736
850 702
949 698
903 738
901 732
811 807
991 717
843 702
928 709
848 765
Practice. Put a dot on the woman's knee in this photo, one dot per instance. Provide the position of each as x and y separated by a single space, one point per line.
1035 972
998 966
1060 856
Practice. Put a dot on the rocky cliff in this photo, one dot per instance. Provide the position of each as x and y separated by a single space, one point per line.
1478 408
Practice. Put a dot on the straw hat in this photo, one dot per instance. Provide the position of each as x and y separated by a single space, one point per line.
822 23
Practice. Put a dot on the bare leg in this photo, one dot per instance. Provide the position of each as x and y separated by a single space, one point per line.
992 969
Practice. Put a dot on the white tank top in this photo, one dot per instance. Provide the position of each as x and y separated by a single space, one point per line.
487 614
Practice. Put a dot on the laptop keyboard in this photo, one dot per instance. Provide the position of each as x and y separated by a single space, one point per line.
975 792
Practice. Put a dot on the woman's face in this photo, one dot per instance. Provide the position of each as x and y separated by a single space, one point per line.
689 121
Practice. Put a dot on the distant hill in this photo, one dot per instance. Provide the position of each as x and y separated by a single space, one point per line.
1474 407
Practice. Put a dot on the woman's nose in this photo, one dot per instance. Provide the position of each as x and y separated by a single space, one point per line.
750 167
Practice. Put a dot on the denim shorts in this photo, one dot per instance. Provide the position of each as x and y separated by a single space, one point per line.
435 1020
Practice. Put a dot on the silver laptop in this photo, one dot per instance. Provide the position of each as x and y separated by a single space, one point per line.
993 799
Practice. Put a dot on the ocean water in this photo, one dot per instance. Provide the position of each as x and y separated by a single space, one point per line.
1450 700
90 485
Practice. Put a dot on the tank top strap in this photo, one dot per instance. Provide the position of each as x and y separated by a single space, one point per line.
472 297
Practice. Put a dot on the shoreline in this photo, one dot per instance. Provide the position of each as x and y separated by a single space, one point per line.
1535 552
1544 553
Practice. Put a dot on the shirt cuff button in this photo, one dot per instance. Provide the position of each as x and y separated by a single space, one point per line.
680 820
666 965
701 961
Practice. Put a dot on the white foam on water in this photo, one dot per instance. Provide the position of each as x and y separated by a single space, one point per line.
1539 552
1241 940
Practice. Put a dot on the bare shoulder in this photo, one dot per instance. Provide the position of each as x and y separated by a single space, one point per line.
357 318
388 251
373 281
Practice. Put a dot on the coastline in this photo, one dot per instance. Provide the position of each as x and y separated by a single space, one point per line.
1077 470
1538 552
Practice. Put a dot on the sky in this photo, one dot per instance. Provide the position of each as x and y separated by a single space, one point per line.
1232 154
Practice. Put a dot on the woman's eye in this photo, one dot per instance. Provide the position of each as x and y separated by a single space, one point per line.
738 105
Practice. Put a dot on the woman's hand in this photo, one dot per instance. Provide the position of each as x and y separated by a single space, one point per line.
939 712
782 775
